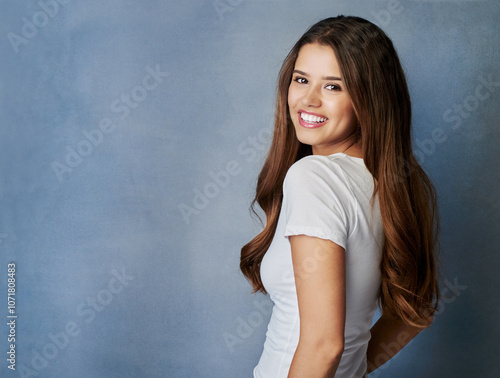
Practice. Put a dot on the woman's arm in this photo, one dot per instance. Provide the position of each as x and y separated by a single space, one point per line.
319 270
388 337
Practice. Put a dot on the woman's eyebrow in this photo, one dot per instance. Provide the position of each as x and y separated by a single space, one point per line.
324 77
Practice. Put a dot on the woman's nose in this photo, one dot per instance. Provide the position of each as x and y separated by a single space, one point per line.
311 97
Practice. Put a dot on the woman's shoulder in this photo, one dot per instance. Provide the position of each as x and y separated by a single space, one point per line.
315 171
338 174
330 166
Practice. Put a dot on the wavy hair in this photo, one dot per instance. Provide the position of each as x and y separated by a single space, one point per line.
376 83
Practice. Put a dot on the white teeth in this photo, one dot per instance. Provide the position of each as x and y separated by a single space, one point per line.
312 118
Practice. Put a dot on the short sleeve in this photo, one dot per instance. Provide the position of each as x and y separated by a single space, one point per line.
316 200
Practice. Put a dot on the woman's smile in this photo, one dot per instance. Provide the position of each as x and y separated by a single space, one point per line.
311 120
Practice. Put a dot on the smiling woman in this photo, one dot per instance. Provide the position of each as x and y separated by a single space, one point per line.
320 108
346 229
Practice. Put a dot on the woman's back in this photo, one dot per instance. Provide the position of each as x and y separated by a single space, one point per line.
327 197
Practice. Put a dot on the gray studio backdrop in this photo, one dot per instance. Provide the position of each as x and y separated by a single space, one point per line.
131 136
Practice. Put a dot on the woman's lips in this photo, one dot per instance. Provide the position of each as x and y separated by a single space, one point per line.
311 120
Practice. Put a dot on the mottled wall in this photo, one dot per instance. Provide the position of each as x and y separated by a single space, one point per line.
116 115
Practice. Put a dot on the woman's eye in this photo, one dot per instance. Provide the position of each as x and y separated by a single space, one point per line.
301 80
333 87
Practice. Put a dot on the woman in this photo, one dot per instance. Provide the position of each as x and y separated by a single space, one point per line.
351 216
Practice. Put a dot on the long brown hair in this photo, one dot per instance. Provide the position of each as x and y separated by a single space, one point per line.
375 80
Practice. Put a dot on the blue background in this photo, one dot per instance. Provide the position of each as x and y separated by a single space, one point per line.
184 309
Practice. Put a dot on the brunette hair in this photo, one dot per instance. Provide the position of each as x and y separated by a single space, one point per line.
375 81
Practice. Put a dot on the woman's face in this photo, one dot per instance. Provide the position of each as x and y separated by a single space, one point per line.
320 107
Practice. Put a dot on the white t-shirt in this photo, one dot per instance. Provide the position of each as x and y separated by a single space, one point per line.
327 197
